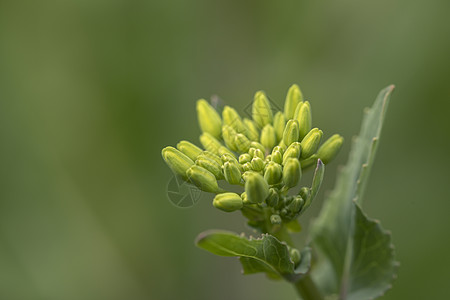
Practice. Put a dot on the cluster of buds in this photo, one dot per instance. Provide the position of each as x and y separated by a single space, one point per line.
266 155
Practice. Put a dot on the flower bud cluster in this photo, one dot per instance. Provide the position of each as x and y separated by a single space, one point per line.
266 155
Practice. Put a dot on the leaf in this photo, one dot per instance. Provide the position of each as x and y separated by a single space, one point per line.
265 254
355 255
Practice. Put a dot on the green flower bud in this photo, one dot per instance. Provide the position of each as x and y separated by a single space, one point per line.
256 187
296 205
208 118
278 148
292 151
330 148
295 256
304 118
232 173
211 166
277 157
257 164
293 97
252 130
261 111
278 124
257 145
224 150
304 193
228 202
268 138
273 173
210 155
243 158
228 134
275 219
291 132
311 142
203 179
242 143
232 118
268 159
272 199
176 160
247 167
258 153
210 143
189 149
291 172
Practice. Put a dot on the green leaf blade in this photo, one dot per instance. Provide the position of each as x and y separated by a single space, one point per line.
342 234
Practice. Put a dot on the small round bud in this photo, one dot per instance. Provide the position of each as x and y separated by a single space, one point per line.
243 158
203 179
330 148
228 134
295 255
277 157
228 157
242 143
272 199
275 219
273 173
189 149
268 138
311 142
293 151
257 145
228 202
261 110
208 119
258 153
279 149
257 164
256 187
291 172
296 205
177 161
231 173
304 193
291 132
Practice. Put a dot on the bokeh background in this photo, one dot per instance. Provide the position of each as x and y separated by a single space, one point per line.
91 91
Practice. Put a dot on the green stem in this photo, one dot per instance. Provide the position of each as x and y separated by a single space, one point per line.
307 289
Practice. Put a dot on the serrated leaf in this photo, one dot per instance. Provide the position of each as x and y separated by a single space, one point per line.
265 254
355 256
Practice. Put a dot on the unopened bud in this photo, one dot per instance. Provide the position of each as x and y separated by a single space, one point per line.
277 157
257 145
224 150
243 158
273 173
210 143
292 151
296 205
295 256
203 179
228 157
208 118
247 167
268 138
304 193
278 148
211 166
258 153
232 118
272 199
177 161
261 110
330 148
189 149
291 133
304 118
293 97
228 202
278 124
257 164
252 130
275 219
256 187
212 156
232 173
228 134
311 142
242 143
291 172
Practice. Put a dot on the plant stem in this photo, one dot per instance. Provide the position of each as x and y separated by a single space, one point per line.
307 289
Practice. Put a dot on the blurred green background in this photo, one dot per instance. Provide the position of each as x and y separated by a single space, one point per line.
91 91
